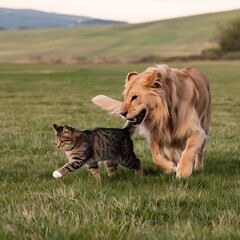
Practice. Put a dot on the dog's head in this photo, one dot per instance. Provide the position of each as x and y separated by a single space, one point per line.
140 95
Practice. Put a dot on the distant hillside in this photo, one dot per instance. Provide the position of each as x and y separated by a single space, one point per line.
175 37
31 19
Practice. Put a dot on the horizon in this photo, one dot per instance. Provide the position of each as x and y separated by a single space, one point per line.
136 11
52 12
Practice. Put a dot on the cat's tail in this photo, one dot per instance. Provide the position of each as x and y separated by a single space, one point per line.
111 105
130 128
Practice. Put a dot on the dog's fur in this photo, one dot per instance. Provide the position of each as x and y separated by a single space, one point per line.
173 109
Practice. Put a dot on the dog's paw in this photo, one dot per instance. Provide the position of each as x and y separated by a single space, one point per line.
57 174
183 171
171 168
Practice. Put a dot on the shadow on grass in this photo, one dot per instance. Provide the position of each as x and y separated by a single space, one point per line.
222 164
151 171
215 164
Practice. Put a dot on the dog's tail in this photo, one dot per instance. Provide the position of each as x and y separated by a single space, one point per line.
113 106
107 103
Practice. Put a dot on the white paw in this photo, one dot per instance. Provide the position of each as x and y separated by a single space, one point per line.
183 171
57 174
171 167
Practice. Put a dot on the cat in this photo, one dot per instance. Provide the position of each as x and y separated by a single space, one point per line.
114 146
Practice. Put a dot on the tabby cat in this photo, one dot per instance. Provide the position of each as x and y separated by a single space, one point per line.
112 145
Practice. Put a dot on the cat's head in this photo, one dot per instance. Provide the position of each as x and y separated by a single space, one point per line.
65 138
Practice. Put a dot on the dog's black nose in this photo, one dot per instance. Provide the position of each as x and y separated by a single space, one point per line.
124 114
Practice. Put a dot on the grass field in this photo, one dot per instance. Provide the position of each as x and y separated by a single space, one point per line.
156 206
175 37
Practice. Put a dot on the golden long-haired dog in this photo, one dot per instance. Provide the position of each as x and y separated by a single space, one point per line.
172 108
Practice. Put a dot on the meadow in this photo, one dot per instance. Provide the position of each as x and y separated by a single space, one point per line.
125 42
36 206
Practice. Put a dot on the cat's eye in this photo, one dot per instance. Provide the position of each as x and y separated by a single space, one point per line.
134 98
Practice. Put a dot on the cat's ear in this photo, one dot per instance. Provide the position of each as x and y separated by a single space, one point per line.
57 128
67 128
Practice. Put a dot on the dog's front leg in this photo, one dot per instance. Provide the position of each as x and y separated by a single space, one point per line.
159 160
193 145
172 154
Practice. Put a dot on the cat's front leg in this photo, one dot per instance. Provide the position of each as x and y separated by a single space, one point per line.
71 166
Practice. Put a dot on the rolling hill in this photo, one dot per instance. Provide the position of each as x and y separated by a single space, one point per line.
176 37
32 19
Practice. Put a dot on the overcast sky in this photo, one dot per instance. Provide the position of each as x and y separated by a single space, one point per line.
132 11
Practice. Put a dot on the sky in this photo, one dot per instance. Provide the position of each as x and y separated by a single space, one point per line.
132 11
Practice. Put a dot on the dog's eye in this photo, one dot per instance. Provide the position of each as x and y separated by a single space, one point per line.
133 98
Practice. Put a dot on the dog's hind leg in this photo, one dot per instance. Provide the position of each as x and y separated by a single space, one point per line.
205 123
199 158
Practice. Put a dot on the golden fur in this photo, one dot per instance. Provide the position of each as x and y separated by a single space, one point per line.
173 110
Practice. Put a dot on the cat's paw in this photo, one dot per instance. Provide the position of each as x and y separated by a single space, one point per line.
57 174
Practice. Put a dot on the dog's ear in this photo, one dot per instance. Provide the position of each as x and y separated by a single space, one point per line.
157 83
130 76
154 80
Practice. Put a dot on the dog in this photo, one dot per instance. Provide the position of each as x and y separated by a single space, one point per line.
172 108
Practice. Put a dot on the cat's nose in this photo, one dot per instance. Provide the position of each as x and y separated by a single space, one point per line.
124 114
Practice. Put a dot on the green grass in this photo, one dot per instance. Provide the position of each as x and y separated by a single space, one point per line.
175 37
156 206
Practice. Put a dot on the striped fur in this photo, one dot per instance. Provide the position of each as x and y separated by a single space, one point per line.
112 145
